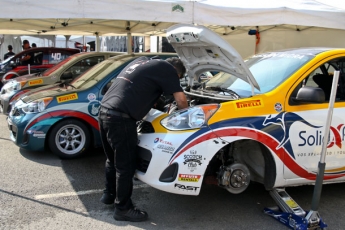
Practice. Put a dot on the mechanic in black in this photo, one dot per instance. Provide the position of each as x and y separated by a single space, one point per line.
9 53
28 58
129 99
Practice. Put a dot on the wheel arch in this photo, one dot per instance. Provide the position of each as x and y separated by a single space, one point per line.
89 128
258 158
253 154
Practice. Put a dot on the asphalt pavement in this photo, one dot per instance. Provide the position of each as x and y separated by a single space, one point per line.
38 191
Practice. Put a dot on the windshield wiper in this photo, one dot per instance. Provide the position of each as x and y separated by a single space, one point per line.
223 90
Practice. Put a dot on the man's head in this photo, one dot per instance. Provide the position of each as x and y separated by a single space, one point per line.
178 64
10 48
33 45
26 44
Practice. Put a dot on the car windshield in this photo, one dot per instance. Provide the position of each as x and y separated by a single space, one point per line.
98 72
269 70
5 62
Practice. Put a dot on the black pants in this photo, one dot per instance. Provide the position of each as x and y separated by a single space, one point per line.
119 138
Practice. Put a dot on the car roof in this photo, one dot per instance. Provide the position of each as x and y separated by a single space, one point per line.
47 48
306 50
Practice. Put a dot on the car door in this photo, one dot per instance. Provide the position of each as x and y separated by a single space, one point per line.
304 125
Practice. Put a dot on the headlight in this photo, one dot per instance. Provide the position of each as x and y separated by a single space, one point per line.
191 118
37 106
13 86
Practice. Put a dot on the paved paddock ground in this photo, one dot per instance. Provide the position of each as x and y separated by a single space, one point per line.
40 191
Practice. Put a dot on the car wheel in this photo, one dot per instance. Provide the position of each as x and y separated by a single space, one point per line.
69 139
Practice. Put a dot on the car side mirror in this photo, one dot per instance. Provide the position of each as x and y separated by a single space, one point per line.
309 94
13 64
66 76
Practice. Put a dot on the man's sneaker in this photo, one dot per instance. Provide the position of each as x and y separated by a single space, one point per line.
108 198
133 215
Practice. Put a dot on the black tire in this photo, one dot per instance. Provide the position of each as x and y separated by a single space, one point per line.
69 139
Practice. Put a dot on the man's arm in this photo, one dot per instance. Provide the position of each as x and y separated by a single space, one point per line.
27 57
181 100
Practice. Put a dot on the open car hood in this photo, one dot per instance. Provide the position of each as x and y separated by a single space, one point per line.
202 50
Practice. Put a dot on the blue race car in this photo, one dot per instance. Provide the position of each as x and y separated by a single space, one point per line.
64 118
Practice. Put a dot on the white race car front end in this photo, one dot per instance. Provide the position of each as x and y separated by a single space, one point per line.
174 150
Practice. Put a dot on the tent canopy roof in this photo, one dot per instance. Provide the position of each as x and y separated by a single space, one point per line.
152 17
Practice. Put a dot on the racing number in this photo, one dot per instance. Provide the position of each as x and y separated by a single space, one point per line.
56 56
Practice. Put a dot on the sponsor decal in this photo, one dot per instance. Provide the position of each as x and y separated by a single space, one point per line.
284 121
249 104
192 166
91 96
177 8
186 187
94 107
193 158
38 134
166 148
35 82
278 107
162 141
189 177
67 97
53 77
193 151
314 138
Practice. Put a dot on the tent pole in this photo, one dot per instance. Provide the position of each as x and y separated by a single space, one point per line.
67 37
129 43
97 43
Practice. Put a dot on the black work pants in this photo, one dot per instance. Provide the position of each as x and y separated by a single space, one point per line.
119 139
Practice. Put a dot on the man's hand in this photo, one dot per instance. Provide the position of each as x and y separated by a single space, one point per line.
181 100
27 57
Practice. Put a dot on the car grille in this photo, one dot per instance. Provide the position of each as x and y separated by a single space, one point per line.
144 159
145 127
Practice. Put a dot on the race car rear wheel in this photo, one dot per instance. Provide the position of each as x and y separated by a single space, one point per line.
69 139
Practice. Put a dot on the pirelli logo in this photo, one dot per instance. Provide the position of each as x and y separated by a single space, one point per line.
35 82
67 97
188 177
249 104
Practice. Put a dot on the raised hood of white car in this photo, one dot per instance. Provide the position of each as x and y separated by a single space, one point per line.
202 50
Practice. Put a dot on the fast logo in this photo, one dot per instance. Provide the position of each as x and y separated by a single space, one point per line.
186 188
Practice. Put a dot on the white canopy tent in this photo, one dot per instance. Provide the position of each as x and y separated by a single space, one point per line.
282 23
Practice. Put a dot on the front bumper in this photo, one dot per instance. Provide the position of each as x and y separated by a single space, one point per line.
163 164
5 101
26 131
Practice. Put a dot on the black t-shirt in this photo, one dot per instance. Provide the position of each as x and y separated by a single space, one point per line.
8 54
139 85
30 60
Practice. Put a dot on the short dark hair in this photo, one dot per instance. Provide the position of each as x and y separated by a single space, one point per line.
33 45
10 47
25 42
178 64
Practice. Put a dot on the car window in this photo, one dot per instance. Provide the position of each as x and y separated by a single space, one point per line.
38 58
55 56
84 65
322 77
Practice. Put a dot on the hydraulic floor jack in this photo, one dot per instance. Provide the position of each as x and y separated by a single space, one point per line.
289 213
